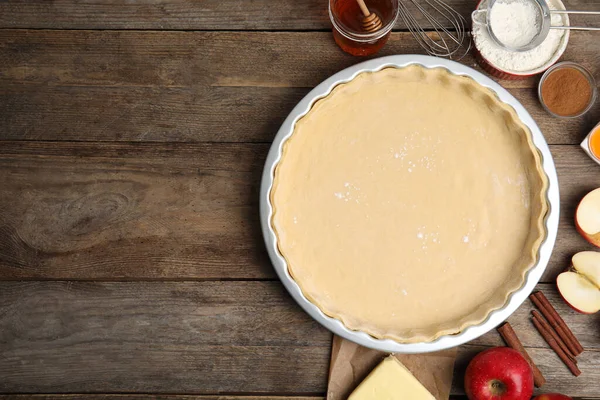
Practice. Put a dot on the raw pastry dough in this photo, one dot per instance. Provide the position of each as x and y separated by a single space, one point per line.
409 203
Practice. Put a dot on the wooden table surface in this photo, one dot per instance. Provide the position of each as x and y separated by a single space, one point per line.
132 138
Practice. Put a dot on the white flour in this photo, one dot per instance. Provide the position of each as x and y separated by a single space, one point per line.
514 29
515 23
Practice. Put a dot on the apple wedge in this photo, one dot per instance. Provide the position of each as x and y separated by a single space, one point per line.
587 263
580 287
587 217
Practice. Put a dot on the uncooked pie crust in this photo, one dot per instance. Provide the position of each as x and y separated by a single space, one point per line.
409 203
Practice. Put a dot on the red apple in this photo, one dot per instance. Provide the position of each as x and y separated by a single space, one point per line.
580 287
587 217
499 373
553 396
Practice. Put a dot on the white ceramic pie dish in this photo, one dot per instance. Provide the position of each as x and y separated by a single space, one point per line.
362 338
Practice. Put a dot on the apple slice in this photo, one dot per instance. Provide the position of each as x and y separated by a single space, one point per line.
587 217
581 294
580 287
588 263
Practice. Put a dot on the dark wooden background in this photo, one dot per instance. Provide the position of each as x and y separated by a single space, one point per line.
132 139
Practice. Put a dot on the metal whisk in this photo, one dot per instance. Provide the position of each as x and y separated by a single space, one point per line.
450 37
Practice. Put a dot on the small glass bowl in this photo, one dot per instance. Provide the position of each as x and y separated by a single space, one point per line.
585 72
587 146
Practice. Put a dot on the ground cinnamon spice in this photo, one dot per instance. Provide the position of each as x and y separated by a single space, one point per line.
566 92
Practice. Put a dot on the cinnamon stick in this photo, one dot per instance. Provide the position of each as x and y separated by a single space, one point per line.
552 343
555 336
563 325
512 340
555 320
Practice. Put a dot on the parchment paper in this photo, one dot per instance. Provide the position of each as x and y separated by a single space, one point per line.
351 363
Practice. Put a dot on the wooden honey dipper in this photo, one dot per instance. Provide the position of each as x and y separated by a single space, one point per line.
371 21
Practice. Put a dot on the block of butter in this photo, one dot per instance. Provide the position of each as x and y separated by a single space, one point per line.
390 380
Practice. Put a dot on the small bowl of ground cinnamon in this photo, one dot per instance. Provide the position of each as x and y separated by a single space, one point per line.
567 90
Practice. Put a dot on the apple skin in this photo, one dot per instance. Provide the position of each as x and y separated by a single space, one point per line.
499 373
579 281
553 396
573 308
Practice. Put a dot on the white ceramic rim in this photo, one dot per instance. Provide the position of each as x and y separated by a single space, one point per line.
559 52
336 326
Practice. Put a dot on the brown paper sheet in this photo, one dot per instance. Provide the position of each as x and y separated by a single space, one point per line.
351 363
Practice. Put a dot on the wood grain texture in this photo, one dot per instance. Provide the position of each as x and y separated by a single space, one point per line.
189 14
195 86
145 211
190 337
168 211
158 337
89 396
177 14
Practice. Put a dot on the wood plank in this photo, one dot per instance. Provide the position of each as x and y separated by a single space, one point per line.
158 337
190 337
194 86
89 396
178 14
142 211
77 210
188 14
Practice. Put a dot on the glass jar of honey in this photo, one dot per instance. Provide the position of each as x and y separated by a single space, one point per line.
349 32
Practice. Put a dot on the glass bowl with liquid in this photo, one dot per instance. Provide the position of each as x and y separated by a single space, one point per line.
591 144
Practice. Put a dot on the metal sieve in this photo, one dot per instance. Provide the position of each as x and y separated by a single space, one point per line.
544 18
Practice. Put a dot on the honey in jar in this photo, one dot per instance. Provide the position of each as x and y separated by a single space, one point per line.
349 32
